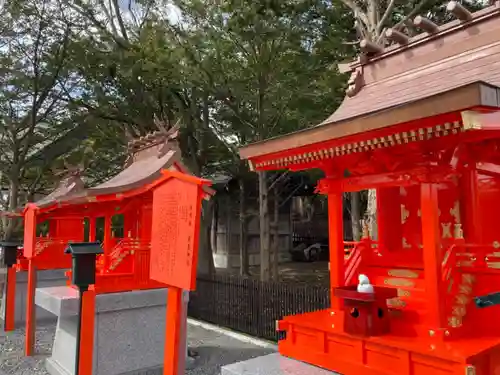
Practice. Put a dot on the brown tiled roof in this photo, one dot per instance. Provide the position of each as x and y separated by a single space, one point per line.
69 185
148 157
480 64
459 65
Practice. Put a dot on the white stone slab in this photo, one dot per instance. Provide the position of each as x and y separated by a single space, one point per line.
45 278
128 336
273 364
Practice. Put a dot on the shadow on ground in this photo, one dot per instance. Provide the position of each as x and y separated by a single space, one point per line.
213 350
211 358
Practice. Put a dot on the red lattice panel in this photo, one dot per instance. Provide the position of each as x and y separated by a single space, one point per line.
174 233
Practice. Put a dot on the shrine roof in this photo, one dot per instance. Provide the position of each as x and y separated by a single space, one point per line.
148 156
69 185
449 68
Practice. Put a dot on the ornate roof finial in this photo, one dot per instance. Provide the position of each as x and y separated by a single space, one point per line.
161 125
355 83
459 11
370 47
425 24
397 36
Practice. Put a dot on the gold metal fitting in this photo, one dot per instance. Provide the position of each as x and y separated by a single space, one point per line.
459 234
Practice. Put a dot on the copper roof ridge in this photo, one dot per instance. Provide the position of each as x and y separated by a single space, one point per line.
425 37
153 139
432 65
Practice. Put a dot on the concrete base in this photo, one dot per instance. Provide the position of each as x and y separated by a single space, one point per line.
129 331
45 278
273 364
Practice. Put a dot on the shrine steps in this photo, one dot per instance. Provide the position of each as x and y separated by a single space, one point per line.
410 284
318 338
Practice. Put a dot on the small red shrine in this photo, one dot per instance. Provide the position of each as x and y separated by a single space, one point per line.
49 246
420 124
125 264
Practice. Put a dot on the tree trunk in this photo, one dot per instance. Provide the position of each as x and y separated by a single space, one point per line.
205 255
264 227
371 213
356 215
215 226
243 232
14 186
275 236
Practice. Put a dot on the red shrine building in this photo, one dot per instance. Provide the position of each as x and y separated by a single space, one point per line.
420 124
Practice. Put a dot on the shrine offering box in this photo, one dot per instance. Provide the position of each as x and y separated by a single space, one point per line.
366 314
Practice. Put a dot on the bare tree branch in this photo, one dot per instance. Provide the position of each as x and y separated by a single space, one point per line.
358 12
385 16
119 17
410 15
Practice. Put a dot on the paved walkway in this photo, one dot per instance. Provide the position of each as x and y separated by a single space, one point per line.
214 349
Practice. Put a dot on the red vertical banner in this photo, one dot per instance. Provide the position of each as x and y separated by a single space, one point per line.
175 232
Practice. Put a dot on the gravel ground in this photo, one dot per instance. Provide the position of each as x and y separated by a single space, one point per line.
213 350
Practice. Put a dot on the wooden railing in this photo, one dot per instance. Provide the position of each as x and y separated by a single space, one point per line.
48 254
124 251
461 262
357 251
353 262
56 244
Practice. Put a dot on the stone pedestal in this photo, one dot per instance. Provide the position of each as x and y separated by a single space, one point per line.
128 336
273 364
47 278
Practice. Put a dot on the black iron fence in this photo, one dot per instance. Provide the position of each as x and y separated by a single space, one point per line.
251 306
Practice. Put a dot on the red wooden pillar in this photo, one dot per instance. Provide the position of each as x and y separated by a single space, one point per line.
30 310
390 229
172 333
336 244
10 303
53 228
431 240
108 240
29 252
92 229
469 204
87 333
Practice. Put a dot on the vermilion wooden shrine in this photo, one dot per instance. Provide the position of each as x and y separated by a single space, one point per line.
421 125
49 245
125 265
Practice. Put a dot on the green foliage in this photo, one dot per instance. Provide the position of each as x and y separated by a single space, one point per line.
79 76
269 65
34 78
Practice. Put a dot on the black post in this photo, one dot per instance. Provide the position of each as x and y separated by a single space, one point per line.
83 275
6 299
9 250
